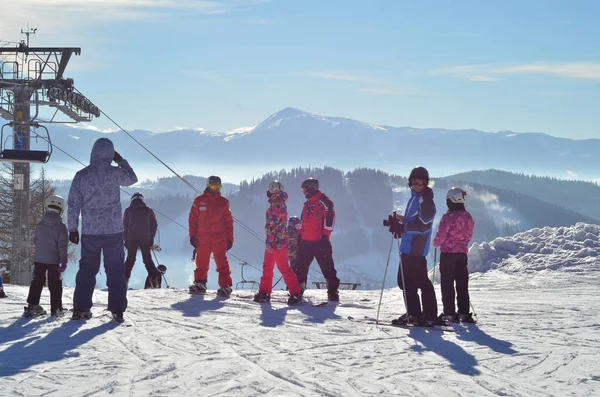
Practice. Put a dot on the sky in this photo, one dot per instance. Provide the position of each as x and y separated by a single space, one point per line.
159 65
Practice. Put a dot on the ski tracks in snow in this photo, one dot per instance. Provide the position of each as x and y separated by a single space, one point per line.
530 342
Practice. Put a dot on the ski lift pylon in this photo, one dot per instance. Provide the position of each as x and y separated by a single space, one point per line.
13 152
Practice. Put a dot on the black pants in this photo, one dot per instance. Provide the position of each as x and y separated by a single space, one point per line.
54 285
132 248
453 268
415 278
309 250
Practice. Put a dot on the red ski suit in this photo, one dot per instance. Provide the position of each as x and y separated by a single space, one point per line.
211 222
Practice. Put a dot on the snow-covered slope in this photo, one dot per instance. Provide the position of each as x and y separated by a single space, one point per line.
538 335
573 249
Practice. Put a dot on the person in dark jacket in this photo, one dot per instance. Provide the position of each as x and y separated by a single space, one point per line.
51 241
140 225
95 195
318 219
414 227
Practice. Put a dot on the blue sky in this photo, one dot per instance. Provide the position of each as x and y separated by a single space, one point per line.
526 66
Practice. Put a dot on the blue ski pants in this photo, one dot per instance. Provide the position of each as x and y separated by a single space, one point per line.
111 247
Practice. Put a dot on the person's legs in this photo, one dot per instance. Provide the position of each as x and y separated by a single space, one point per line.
89 265
202 262
306 254
462 284
55 286
37 283
289 277
408 264
114 258
447 283
132 247
266 280
219 253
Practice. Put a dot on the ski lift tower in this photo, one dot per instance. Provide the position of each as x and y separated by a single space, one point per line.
33 92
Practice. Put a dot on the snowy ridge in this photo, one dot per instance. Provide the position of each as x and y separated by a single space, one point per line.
569 249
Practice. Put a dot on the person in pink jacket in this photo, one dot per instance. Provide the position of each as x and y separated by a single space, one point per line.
276 249
453 236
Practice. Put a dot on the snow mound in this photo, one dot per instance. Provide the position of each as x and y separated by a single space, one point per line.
570 249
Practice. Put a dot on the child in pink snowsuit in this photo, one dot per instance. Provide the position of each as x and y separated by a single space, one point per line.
276 250
453 236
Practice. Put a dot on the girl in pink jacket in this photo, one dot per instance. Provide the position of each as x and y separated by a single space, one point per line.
453 236
276 249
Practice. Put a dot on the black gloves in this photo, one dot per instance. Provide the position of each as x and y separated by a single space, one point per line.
427 193
396 229
194 242
117 157
229 245
74 237
394 226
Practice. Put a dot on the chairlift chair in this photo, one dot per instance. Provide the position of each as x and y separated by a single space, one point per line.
10 154
244 281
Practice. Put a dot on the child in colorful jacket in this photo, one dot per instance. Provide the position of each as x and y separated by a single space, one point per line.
453 236
276 250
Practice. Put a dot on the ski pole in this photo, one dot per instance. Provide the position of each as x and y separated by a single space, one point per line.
384 276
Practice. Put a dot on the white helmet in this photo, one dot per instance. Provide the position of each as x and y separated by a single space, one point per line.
275 186
457 195
55 203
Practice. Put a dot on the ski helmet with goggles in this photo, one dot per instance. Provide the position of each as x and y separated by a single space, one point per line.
456 195
293 221
310 184
137 195
55 203
275 187
213 182
419 173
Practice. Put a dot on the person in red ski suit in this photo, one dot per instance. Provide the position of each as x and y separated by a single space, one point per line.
276 250
211 231
453 236
318 219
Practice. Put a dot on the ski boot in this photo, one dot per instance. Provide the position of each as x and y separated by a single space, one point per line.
199 287
449 318
402 320
294 299
118 317
58 312
224 292
262 297
333 296
466 318
83 315
33 311
2 294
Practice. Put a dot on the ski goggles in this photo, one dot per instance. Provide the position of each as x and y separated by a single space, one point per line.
214 186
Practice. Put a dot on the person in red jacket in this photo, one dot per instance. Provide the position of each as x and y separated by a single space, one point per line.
318 219
211 231
276 248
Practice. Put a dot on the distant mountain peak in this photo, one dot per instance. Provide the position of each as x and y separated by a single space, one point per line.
276 118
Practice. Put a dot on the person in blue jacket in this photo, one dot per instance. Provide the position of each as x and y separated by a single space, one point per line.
414 227
96 197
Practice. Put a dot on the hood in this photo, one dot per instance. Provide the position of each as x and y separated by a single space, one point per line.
279 197
51 218
103 151
137 203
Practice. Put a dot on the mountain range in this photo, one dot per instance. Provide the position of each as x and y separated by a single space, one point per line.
292 137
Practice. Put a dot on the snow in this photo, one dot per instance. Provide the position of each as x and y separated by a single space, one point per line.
538 335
